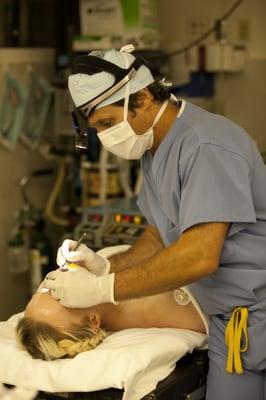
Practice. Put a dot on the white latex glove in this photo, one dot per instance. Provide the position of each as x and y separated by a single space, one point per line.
41 288
83 256
80 288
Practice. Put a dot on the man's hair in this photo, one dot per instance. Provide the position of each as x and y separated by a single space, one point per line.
159 92
45 342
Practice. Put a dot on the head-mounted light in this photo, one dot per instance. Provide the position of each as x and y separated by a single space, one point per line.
82 130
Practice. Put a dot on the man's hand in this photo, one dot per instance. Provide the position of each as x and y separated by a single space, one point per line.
83 256
80 288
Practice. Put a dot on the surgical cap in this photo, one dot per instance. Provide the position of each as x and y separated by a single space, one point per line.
84 88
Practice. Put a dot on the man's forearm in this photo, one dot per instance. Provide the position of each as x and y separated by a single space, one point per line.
145 247
194 256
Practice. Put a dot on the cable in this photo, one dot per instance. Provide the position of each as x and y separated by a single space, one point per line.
103 169
123 175
49 209
205 34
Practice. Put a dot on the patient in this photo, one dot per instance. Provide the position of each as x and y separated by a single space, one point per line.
50 331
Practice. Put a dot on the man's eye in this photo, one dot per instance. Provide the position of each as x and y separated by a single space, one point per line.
106 124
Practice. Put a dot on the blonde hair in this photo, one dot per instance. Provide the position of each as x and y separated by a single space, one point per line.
43 341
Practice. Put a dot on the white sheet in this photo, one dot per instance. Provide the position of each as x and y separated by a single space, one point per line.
16 393
133 359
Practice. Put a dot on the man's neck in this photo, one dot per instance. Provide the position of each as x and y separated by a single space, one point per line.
164 124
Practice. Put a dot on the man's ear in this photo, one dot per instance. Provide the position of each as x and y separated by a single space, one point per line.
146 98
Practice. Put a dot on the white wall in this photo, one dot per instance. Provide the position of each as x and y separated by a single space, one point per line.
241 97
15 289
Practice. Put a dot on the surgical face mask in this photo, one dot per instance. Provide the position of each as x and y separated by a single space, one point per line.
122 140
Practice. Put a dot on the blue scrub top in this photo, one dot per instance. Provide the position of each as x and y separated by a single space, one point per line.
207 169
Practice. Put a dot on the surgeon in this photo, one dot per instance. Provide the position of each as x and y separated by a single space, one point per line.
204 196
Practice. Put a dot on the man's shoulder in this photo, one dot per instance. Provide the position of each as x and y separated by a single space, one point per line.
204 127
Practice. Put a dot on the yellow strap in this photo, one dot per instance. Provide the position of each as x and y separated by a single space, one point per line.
233 335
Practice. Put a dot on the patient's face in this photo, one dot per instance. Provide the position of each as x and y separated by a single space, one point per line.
44 307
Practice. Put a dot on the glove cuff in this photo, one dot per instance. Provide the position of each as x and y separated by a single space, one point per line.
98 265
107 288
107 267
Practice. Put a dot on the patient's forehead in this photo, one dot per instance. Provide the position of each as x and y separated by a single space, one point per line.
44 307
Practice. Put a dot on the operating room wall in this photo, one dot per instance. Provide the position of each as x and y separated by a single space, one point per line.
239 96
15 289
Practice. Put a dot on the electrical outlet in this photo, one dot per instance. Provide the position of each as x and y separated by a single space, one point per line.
197 25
